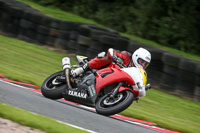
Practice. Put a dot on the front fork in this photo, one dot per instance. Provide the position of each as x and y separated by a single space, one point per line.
120 88
116 90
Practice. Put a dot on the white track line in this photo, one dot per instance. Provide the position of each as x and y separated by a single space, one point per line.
133 122
90 131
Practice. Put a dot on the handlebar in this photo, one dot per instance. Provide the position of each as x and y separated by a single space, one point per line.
118 61
121 65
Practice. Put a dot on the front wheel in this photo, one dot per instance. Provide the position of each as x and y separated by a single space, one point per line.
53 88
109 106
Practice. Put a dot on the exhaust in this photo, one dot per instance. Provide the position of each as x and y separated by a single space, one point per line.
66 65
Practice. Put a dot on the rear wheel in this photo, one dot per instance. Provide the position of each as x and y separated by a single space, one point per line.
52 87
107 105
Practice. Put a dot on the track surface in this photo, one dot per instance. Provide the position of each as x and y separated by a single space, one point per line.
65 112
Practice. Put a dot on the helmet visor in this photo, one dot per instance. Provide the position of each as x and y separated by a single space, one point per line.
143 63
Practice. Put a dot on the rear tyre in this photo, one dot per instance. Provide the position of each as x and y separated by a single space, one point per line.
52 88
109 106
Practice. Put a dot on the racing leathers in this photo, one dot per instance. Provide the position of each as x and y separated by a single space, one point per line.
104 59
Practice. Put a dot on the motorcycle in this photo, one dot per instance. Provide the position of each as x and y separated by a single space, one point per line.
110 90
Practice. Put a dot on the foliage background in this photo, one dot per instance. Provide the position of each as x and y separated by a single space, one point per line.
173 23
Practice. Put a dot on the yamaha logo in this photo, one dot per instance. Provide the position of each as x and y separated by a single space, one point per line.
77 94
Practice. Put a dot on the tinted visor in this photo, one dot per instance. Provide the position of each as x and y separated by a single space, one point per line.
143 63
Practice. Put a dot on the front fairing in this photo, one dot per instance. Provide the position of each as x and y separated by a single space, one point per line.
110 75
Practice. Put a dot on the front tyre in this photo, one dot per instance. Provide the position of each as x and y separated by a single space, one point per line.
109 106
53 88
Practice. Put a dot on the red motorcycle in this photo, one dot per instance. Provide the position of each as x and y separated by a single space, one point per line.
110 90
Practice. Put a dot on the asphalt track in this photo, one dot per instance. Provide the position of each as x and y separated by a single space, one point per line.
61 110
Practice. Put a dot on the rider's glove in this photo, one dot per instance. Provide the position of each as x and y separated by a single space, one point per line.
148 86
117 59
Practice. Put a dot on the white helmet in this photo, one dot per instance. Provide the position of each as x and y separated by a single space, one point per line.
141 58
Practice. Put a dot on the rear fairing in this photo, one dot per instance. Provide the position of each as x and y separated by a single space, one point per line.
82 59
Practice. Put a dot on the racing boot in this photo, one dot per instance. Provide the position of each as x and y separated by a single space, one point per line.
76 72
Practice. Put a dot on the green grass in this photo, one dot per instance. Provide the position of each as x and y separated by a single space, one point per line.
31 63
27 62
35 121
167 111
59 14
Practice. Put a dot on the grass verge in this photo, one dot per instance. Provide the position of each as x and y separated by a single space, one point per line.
35 121
167 111
60 14
27 62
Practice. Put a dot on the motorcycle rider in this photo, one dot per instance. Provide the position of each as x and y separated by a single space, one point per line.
140 58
